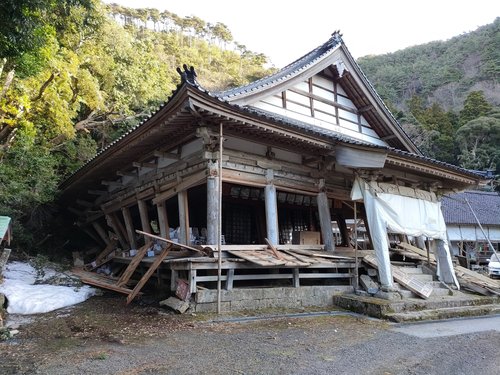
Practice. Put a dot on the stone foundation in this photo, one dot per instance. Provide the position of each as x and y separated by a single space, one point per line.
263 298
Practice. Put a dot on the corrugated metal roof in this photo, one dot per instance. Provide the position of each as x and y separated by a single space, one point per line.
486 206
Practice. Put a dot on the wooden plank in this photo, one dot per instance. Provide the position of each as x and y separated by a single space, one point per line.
422 253
102 257
259 258
423 290
264 247
320 255
370 286
302 258
170 242
273 249
129 226
476 277
99 281
134 263
148 273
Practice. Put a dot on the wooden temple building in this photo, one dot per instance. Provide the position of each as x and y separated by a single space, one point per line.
279 157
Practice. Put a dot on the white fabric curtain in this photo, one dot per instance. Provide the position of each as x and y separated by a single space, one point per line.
394 209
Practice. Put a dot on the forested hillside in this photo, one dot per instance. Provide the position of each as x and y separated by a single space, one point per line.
446 95
442 72
75 74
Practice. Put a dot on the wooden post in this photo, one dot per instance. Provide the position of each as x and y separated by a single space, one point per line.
113 223
101 232
442 254
271 209
325 218
212 203
219 226
356 270
129 225
143 212
184 235
163 220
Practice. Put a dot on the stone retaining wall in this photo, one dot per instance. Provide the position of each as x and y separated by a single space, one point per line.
262 298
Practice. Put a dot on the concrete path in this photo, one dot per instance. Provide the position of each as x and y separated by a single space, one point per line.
450 327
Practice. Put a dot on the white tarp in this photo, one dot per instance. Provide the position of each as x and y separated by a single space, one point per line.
395 209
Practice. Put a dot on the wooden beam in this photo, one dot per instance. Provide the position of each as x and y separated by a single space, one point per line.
166 155
143 212
186 183
112 183
325 219
182 198
171 242
127 174
159 259
101 232
115 224
129 225
132 266
163 220
144 165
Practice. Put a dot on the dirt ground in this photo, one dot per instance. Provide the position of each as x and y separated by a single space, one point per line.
103 336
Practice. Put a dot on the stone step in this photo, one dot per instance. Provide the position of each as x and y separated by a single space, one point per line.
382 308
443 313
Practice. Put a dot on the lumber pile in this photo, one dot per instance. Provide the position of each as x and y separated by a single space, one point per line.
423 290
467 279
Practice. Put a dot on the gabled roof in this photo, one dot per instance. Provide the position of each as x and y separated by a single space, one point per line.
176 121
334 59
486 206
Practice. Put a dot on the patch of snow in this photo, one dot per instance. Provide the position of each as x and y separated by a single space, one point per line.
26 298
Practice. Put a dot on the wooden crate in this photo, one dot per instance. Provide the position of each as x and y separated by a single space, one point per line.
306 238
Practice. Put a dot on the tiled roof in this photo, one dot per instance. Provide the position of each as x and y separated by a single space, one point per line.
298 65
486 206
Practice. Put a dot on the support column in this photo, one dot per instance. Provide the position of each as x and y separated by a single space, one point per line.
143 212
380 244
325 218
271 209
212 203
184 237
446 272
129 225
113 223
101 232
163 220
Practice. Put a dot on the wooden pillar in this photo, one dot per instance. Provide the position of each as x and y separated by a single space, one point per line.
325 218
212 203
445 265
114 223
271 209
163 220
344 232
143 212
129 225
420 241
184 235
101 232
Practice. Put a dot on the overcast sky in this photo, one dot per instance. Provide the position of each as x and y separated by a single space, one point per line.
286 30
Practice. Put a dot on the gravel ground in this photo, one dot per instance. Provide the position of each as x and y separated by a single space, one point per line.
103 336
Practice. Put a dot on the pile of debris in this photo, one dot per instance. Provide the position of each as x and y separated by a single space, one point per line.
468 280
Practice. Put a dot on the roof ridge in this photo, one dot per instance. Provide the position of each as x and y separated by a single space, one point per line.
299 64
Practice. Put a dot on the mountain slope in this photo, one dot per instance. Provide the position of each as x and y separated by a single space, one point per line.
442 72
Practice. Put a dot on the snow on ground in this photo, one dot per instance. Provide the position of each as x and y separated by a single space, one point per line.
26 298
